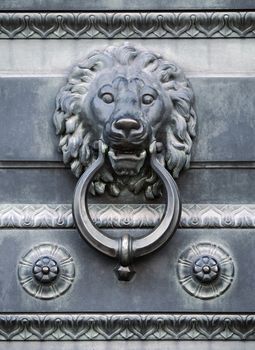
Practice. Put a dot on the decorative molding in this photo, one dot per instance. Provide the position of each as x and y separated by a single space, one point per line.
55 25
36 216
127 327
218 216
46 271
205 270
127 215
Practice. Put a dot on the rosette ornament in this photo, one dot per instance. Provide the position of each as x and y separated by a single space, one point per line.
205 270
46 271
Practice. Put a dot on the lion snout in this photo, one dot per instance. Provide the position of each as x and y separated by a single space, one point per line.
126 133
127 124
127 127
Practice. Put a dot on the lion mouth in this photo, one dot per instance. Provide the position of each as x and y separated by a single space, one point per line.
126 163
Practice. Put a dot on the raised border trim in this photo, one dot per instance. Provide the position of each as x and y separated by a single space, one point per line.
60 25
127 215
127 327
105 5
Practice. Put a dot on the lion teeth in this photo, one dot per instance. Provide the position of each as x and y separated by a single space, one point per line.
118 155
126 164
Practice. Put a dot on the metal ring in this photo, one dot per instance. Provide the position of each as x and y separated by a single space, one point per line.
127 247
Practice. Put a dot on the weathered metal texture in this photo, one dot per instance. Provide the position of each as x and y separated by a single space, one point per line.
131 327
126 120
217 222
128 246
157 272
224 144
46 271
57 5
127 25
127 215
135 103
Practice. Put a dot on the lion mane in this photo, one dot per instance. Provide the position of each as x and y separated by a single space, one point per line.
77 137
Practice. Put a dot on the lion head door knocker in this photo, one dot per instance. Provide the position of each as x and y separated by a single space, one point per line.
126 114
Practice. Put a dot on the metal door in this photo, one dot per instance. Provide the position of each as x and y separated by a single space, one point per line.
151 107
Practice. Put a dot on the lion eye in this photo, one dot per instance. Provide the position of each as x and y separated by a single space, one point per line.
147 99
107 97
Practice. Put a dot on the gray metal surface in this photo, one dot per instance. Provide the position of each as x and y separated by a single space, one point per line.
209 57
213 185
165 299
157 273
57 5
145 24
101 345
222 107
127 246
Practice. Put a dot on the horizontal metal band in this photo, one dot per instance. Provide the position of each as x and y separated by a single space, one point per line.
127 25
105 5
127 215
28 164
127 327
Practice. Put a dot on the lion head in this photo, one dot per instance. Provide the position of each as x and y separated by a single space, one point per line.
128 98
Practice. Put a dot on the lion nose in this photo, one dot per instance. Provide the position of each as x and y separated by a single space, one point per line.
127 124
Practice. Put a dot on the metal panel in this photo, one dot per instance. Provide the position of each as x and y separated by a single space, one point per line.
221 105
167 299
157 273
